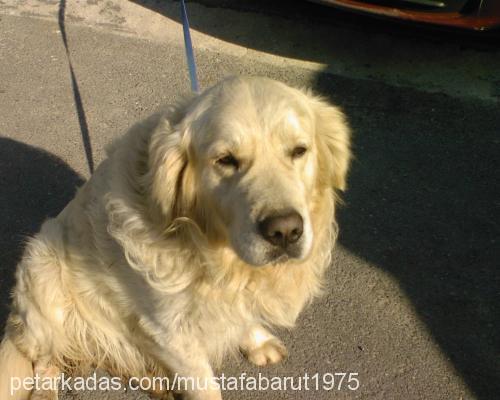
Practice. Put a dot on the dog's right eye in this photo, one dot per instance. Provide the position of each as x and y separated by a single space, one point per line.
228 161
298 152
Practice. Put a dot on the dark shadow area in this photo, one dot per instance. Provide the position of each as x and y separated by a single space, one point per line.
307 13
80 111
423 202
35 186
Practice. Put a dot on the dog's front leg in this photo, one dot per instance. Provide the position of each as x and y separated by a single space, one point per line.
188 362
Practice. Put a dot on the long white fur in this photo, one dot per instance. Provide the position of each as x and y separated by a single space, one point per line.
138 274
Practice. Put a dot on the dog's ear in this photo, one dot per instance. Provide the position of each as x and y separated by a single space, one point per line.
167 165
333 141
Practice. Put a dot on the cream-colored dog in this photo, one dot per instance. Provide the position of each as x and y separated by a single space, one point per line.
206 224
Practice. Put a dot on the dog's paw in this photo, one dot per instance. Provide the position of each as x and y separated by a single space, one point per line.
46 372
272 351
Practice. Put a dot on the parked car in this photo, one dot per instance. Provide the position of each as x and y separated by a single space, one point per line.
477 15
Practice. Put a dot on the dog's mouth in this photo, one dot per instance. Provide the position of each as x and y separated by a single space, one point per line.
280 259
278 255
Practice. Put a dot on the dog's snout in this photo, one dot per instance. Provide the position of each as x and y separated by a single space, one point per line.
282 230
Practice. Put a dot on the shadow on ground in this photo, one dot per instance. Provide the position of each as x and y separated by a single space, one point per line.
423 204
360 38
423 198
35 185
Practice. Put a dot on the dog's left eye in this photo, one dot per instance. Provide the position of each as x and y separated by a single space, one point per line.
228 161
298 152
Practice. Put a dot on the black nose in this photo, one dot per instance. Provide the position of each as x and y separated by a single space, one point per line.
282 230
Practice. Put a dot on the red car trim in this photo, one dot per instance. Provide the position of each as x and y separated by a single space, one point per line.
452 19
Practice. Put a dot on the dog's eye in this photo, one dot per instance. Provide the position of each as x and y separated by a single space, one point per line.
228 161
298 152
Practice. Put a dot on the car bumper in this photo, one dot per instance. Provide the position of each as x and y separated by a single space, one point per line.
483 17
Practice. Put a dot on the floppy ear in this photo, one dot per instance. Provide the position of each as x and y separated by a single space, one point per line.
167 164
333 141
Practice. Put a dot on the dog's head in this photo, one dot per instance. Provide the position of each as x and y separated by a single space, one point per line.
246 161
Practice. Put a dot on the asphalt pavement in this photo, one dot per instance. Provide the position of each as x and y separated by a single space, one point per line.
413 298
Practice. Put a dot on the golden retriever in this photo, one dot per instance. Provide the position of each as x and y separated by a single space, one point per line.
208 223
